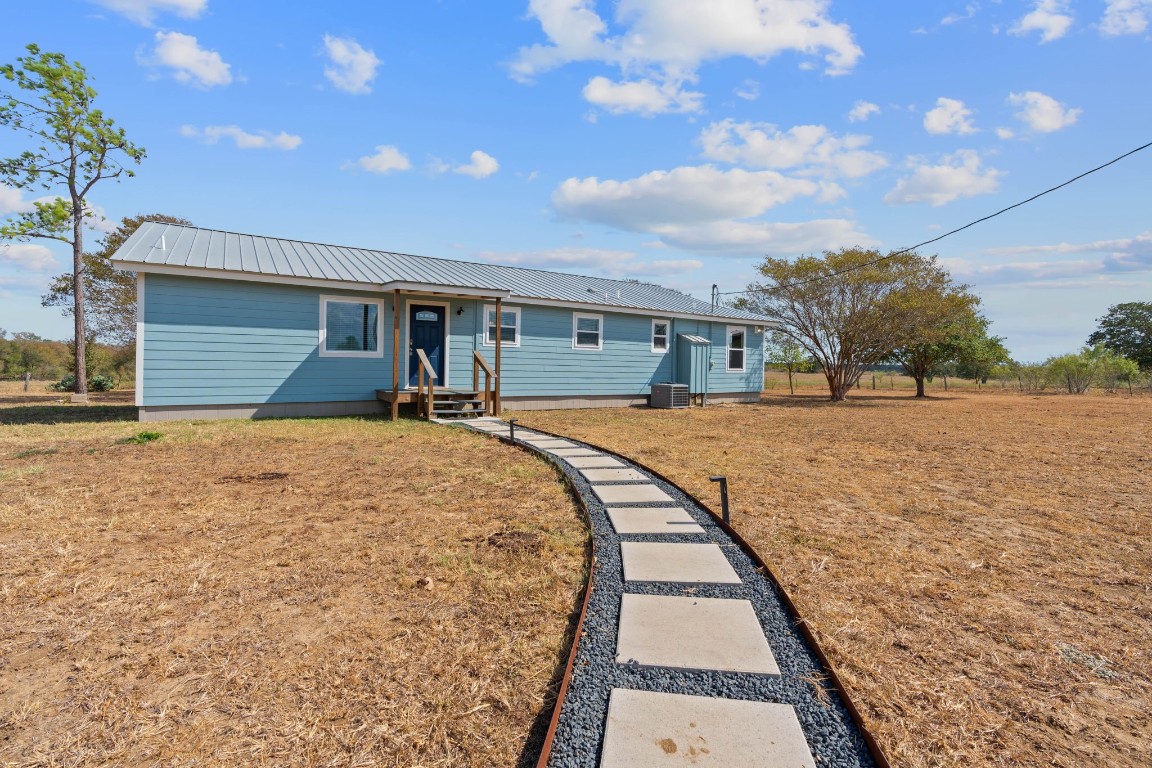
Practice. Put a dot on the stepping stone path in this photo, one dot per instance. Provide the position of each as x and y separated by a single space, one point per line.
687 655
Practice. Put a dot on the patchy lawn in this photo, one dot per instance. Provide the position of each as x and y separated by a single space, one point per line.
312 592
977 566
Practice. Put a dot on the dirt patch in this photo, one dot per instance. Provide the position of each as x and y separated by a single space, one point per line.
977 565
241 593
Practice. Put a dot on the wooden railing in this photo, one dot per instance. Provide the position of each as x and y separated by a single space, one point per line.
424 406
491 398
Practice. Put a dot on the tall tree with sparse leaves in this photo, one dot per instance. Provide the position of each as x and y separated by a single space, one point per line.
49 100
849 308
109 293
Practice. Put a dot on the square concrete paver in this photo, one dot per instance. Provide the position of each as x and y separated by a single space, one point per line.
548 444
682 563
566 452
612 475
693 633
657 730
625 494
652 520
587 462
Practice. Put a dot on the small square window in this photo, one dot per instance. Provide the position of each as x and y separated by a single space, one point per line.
350 328
735 351
509 326
587 331
660 332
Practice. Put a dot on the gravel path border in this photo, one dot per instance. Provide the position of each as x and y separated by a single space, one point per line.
832 735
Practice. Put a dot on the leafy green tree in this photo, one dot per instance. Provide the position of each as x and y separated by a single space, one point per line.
1092 365
978 355
850 308
1127 331
50 101
786 353
945 317
110 293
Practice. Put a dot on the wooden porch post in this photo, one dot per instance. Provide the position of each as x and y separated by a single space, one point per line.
396 354
499 322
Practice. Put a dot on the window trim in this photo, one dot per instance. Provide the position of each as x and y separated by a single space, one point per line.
667 336
599 318
323 333
728 349
504 343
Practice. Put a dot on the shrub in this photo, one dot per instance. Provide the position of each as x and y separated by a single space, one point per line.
139 439
97 383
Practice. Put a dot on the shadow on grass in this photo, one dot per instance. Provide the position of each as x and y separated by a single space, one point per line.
860 400
66 414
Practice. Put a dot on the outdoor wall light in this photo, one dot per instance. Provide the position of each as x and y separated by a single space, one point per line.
459 311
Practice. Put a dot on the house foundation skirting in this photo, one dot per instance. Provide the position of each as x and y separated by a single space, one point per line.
260 410
362 407
558 402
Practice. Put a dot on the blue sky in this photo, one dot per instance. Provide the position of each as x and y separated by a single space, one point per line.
670 141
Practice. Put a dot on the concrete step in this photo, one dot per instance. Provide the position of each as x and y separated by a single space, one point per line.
679 563
634 520
612 475
692 633
660 730
628 494
588 462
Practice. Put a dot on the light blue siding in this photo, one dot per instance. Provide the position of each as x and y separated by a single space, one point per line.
229 342
209 341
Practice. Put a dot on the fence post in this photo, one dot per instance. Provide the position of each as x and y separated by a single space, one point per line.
723 495
28 380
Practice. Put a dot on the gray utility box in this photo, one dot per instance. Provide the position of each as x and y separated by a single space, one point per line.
669 395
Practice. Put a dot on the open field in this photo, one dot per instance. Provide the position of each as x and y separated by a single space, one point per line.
315 592
978 566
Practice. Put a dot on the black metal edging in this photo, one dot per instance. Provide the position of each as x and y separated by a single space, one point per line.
801 623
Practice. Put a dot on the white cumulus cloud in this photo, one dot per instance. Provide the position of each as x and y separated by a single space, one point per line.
387 159
1051 18
861 111
669 41
957 175
1042 113
949 116
35 258
145 11
352 67
811 148
1126 17
189 62
211 134
482 166
644 97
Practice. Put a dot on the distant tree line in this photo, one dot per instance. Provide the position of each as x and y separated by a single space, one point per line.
853 310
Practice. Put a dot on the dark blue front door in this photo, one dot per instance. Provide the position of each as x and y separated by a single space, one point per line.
426 329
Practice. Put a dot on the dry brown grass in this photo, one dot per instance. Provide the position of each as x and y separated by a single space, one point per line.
978 567
327 592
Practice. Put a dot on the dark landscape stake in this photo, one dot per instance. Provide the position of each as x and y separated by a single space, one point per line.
512 429
723 494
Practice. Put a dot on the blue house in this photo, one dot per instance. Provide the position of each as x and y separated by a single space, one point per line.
233 325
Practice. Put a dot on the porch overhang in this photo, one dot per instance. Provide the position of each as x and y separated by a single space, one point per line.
456 291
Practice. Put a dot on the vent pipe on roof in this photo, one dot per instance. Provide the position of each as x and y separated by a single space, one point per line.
163 245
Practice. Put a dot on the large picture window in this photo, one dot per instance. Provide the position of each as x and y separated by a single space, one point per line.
660 333
736 336
350 327
509 326
587 331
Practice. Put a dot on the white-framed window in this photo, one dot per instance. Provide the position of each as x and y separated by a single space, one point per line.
587 331
737 335
661 330
509 326
351 327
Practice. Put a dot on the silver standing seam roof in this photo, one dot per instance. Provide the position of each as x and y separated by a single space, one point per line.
167 246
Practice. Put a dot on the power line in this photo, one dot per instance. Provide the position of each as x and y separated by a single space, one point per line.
946 234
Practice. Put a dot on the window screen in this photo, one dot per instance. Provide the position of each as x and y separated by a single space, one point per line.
587 332
659 336
736 349
351 326
509 326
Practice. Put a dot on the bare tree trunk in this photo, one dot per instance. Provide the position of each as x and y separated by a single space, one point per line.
790 390
945 382
81 387
920 386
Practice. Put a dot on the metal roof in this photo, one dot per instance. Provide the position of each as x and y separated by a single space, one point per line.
692 338
167 246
